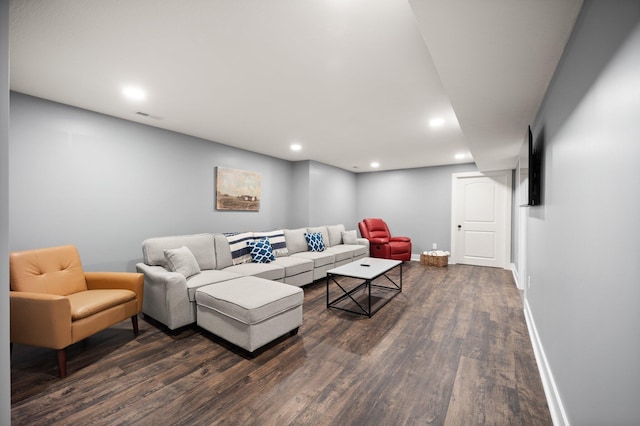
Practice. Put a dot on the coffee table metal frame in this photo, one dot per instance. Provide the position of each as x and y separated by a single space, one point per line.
375 269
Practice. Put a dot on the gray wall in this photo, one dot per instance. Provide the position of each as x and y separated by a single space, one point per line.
324 195
583 251
413 202
5 369
332 196
106 184
520 214
300 193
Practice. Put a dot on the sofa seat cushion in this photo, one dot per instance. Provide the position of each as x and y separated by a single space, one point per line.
269 271
294 265
250 300
341 252
90 302
206 277
358 249
319 258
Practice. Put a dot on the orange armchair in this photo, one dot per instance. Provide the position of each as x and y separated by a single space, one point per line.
381 243
54 303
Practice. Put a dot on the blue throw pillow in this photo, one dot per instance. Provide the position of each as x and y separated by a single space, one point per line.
261 251
314 241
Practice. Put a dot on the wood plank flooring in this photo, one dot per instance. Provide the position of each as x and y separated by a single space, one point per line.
451 349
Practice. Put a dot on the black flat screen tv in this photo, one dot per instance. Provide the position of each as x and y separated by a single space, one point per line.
535 169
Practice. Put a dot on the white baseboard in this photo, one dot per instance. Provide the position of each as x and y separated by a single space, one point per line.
558 414
516 277
514 272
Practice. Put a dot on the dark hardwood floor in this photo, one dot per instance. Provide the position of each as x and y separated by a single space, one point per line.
451 349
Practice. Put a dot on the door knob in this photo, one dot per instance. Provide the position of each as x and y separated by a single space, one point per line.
459 226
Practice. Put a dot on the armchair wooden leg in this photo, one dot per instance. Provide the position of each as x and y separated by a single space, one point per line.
134 321
62 362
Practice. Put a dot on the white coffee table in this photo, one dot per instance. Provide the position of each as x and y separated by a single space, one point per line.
367 269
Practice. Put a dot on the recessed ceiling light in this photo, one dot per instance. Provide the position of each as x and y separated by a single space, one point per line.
460 156
133 93
436 122
375 164
295 147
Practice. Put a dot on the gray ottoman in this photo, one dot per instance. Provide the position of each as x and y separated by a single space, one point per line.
249 311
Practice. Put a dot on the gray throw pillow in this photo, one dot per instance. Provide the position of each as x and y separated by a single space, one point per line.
296 243
181 260
349 237
335 234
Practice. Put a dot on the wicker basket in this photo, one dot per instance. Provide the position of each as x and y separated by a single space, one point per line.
429 260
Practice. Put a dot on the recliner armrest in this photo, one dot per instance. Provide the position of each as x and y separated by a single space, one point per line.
40 319
403 239
379 240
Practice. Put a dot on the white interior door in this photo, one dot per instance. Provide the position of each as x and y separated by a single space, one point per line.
481 218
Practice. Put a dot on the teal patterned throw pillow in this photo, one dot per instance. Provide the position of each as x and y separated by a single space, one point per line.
314 241
261 251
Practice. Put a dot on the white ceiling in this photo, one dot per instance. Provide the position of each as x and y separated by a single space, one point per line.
352 81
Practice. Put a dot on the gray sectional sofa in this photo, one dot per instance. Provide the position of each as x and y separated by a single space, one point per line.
171 292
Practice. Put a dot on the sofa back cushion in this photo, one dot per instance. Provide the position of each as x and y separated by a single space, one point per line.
223 252
375 228
201 245
335 234
296 243
52 270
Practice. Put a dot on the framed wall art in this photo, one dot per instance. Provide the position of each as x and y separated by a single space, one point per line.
237 190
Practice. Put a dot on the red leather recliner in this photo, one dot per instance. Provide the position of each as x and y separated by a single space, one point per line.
381 243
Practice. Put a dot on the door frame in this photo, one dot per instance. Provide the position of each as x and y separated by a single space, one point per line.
508 212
